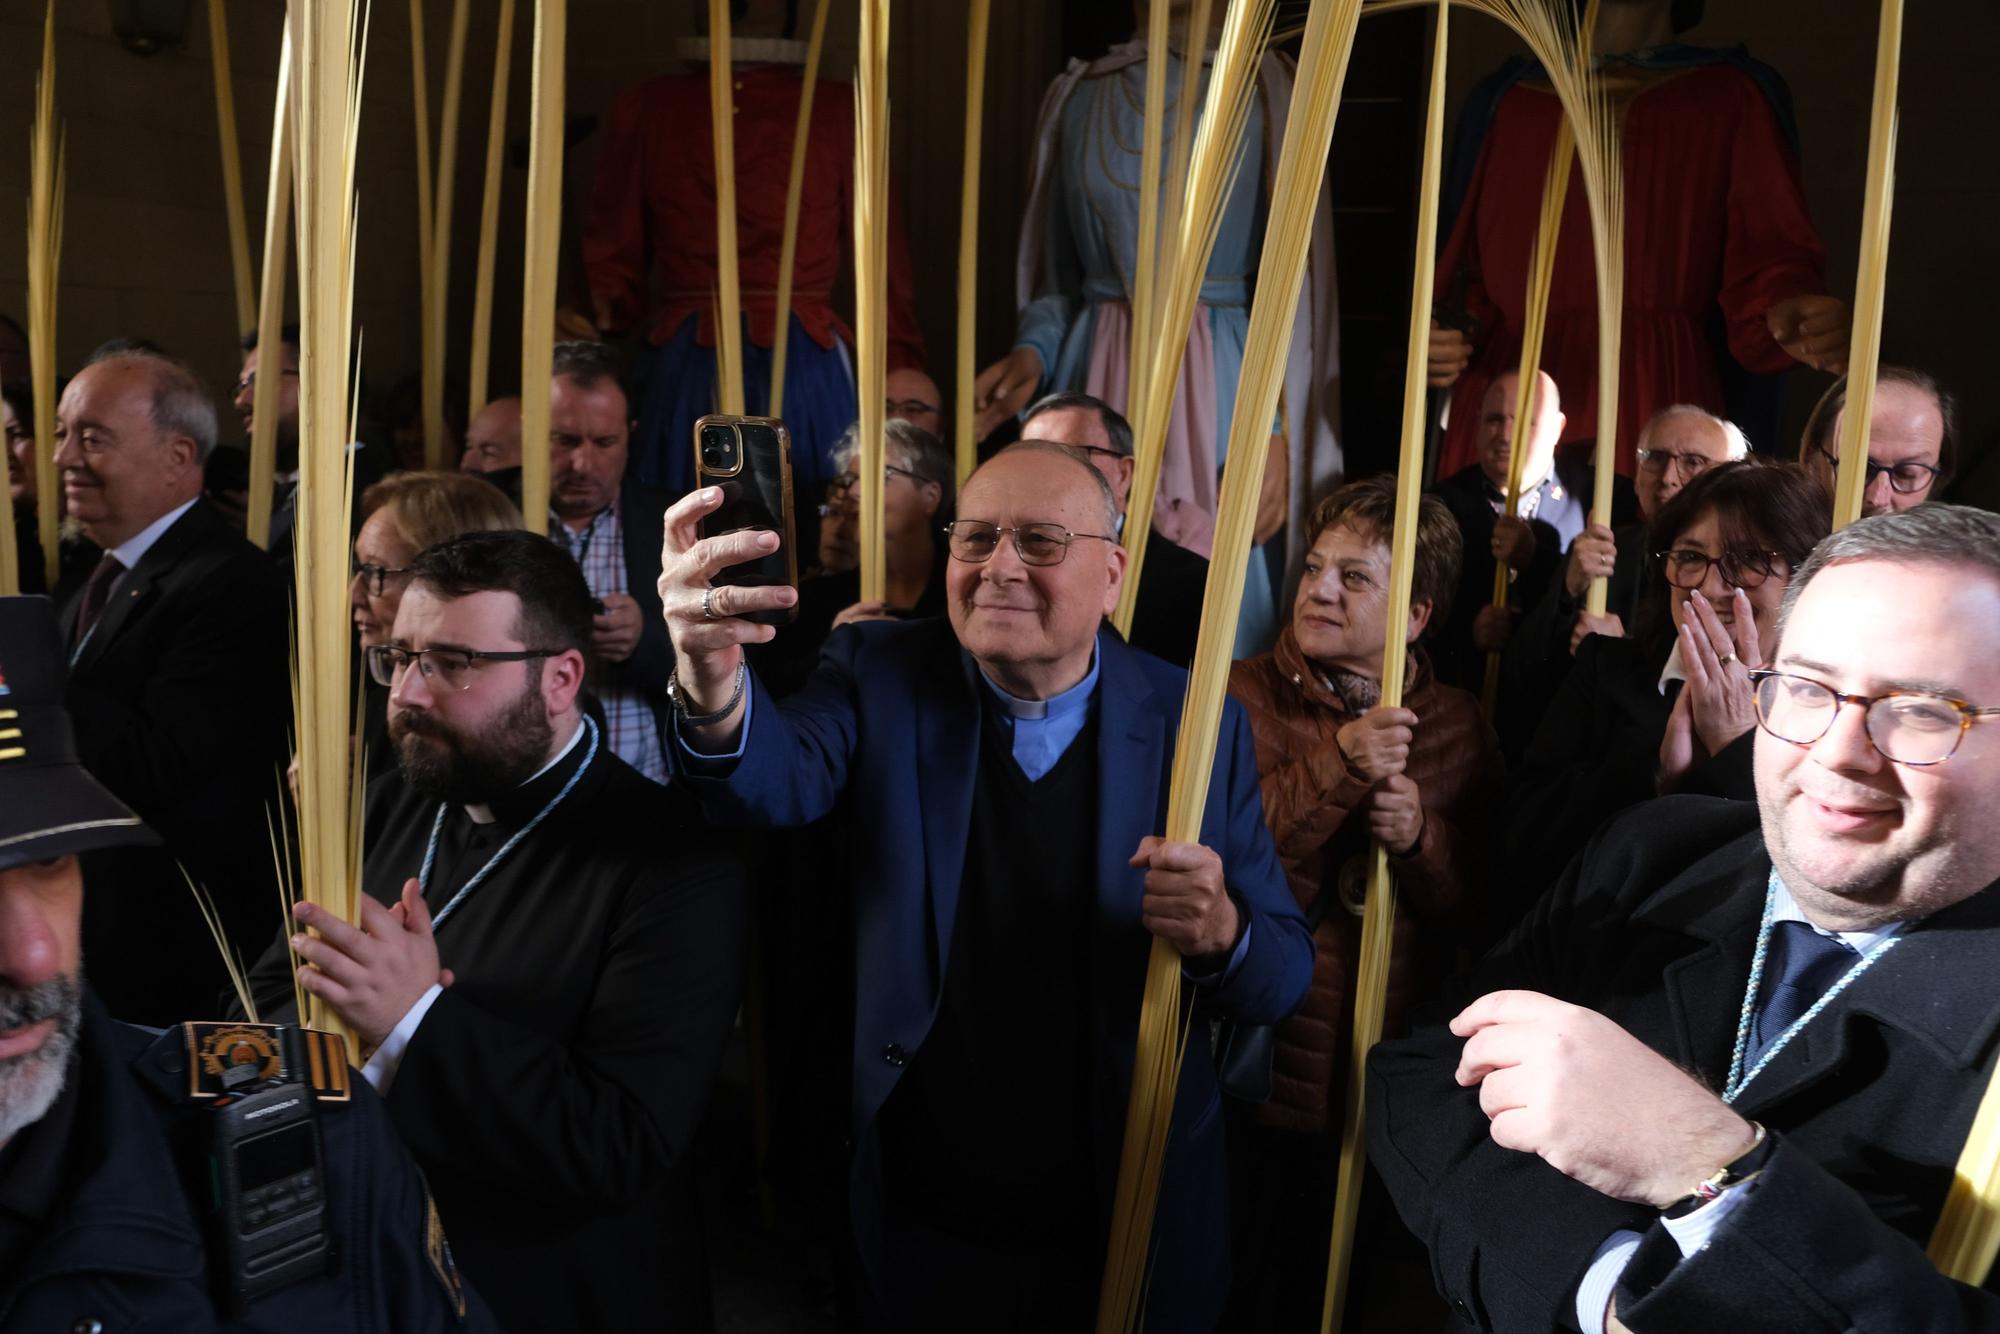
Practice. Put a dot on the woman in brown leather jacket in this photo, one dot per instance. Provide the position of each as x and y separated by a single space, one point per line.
1338 771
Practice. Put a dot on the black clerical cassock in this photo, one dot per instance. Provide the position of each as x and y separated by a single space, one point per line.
551 1092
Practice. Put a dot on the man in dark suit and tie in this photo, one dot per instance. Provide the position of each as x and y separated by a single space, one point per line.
177 686
1720 1076
1166 620
1005 772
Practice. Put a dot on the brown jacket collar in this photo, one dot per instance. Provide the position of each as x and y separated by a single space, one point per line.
1310 681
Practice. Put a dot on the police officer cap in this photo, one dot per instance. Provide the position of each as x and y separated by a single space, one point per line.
50 806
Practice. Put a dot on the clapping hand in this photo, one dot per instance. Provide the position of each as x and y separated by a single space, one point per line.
1718 660
373 973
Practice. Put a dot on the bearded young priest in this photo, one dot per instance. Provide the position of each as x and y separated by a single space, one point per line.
549 963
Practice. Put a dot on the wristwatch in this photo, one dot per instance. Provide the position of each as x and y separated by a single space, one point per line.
677 696
1739 1170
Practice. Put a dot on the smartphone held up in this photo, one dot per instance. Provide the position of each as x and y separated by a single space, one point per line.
750 460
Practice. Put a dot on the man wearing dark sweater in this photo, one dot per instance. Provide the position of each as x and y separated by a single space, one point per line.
1005 774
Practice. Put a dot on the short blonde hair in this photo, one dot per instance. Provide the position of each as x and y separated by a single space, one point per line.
428 507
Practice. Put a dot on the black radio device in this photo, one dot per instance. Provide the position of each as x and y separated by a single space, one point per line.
267 1180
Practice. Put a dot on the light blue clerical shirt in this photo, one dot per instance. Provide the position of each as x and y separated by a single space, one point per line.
1043 729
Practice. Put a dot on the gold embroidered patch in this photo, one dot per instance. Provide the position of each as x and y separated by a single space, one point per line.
214 1049
437 1249
220 1047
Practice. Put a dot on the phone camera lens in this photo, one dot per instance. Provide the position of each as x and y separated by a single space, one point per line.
718 448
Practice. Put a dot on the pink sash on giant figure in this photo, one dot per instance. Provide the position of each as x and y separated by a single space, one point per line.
1184 505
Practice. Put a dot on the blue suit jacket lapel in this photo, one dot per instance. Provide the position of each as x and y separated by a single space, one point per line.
1131 803
947 758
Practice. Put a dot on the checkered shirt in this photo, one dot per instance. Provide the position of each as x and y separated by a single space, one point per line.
631 726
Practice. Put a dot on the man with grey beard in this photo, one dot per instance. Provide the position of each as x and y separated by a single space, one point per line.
102 1124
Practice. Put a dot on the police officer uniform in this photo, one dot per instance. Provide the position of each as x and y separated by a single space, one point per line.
114 1204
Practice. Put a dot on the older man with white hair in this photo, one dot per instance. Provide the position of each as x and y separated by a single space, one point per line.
178 689
1005 773
1676 447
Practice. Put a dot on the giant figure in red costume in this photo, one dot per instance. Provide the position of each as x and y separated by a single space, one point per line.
650 254
1724 273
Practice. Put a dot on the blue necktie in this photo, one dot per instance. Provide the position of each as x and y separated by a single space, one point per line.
1799 967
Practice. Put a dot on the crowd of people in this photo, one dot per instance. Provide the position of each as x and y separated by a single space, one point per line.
1689 1005
561 740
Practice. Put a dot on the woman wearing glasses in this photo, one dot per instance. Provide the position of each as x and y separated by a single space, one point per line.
405 513
1669 709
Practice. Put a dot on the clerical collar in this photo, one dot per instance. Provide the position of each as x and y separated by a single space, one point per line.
1068 703
519 806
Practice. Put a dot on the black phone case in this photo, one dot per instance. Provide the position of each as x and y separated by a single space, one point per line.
757 495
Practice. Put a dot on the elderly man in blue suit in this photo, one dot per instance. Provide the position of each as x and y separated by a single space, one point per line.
1006 775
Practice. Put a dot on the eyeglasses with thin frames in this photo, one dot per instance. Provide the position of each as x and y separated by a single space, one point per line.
1907 477
1911 727
974 541
451 668
842 483
907 408
376 577
1686 465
